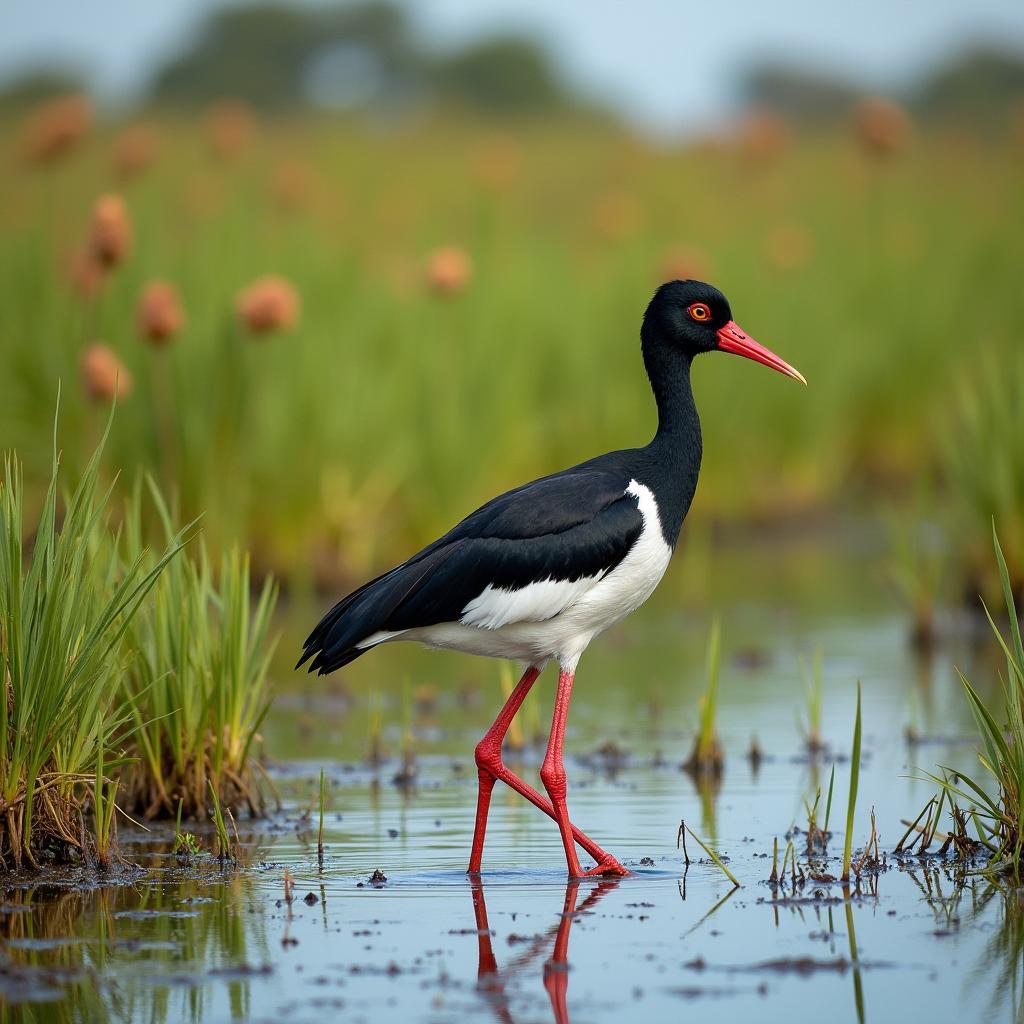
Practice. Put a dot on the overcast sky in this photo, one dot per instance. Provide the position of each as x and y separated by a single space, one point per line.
667 64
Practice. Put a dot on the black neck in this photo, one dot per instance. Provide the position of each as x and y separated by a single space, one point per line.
674 453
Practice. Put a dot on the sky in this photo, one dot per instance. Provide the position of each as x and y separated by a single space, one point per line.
668 65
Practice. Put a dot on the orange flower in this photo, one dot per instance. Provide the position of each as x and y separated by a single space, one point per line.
160 316
134 151
763 136
448 270
269 304
229 127
110 235
881 126
56 127
104 376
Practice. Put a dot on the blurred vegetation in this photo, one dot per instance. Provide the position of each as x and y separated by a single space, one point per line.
980 85
333 342
280 57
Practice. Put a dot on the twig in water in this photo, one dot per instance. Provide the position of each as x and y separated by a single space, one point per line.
711 853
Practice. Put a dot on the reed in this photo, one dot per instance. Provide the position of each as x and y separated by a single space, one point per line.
983 463
64 613
813 701
707 756
995 798
320 829
197 686
851 804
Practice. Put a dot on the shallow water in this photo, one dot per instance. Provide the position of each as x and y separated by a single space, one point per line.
520 944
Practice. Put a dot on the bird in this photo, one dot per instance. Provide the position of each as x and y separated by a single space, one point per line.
538 572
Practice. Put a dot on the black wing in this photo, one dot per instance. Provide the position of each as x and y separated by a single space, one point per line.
564 527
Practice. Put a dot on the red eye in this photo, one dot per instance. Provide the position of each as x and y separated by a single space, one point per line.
699 311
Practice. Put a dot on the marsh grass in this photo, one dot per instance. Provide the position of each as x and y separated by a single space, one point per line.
104 797
196 688
291 475
64 613
224 852
707 756
983 465
918 562
851 803
321 801
813 701
998 816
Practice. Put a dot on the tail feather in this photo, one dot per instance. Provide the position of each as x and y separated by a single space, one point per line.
370 609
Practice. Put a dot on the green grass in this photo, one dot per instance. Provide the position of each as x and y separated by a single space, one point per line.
64 613
197 681
321 801
707 756
996 797
984 469
270 438
851 803
813 701
104 797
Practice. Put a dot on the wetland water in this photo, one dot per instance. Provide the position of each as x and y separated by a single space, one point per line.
519 945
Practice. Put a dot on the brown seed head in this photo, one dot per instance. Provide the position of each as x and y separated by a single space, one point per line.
881 126
134 150
110 235
56 127
229 127
448 270
160 316
269 304
104 376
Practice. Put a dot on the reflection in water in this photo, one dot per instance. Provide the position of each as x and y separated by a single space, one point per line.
59 942
491 981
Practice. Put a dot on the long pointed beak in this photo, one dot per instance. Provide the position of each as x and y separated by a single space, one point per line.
732 338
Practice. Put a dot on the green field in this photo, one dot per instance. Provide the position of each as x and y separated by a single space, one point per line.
390 410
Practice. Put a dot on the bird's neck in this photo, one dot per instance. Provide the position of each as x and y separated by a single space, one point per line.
674 453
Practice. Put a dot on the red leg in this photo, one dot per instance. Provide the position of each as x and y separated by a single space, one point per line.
491 768
488 760
556 970
552 774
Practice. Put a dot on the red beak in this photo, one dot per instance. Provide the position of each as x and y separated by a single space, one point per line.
732 338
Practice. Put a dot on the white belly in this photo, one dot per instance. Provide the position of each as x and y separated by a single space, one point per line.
554 619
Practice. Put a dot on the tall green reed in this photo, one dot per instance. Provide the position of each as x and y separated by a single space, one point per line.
64 612
996 797
197 685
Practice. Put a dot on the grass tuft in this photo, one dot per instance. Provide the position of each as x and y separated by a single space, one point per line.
851 805
707 756
998 816
64 613
197 687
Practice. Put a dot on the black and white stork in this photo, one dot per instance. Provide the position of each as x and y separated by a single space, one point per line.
535 574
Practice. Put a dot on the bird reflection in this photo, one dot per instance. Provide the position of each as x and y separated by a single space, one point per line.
491 980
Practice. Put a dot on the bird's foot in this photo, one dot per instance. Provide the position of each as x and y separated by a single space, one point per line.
607 866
